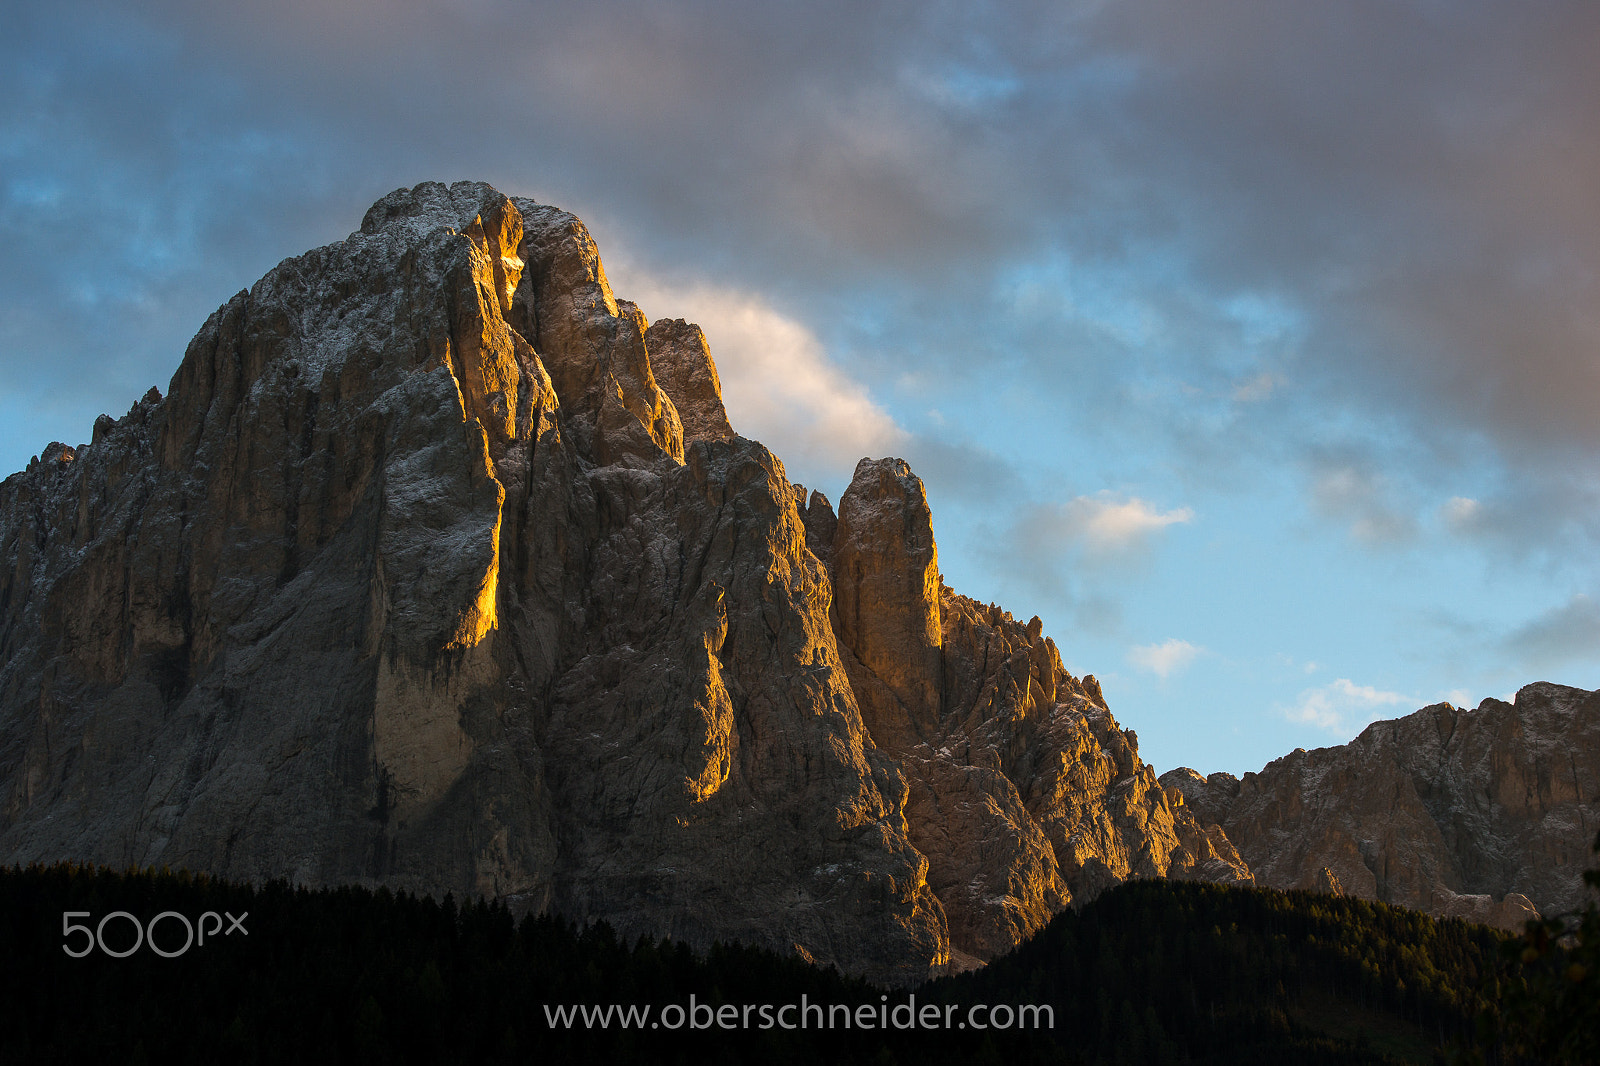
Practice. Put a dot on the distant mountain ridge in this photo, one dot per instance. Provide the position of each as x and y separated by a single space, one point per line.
1487 815
440 567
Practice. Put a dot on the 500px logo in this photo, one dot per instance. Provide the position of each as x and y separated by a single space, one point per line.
145 934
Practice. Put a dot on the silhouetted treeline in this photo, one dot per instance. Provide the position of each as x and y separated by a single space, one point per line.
1171 972
1542 1001
1151 972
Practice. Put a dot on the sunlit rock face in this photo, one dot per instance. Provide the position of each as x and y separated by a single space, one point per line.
1024 792
440 567
1487 815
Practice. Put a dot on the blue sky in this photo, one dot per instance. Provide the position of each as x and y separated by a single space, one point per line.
1255 347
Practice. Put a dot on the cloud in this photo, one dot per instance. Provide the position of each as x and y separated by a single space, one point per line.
1042 541
1389 205
1172 656
1362 499
1562 635
965 470
1258 388
1461 513
777 382
1180 128
1042 549
1106 523
1553 515
1343 706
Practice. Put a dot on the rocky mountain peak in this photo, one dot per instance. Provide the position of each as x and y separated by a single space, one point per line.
441 567
886 586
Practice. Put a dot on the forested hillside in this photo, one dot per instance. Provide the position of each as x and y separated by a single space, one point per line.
1150 972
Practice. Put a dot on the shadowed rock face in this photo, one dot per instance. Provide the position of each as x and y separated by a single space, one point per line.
439 567
1486 815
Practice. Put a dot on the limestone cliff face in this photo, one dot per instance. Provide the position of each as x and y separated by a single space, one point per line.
1025 793
683 366
1487 815
440 567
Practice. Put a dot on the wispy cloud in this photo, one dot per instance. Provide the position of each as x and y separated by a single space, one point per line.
1108 523
1045 546
1461 513
1342 706
1363 500
1078 554
1258 388
1171 656
1555 517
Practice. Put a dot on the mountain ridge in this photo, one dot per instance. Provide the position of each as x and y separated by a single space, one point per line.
420 575
1483 814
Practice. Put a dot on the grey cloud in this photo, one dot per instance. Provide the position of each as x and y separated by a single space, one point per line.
1348 489
963 472
998 541
1071 559
1413 175
1548 519
1562 635
1411 183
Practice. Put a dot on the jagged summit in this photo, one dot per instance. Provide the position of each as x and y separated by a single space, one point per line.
441 567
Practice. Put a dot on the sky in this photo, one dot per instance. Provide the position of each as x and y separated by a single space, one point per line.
1253 346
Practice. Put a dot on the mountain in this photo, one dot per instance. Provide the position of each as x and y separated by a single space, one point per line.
439 567
1487 815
